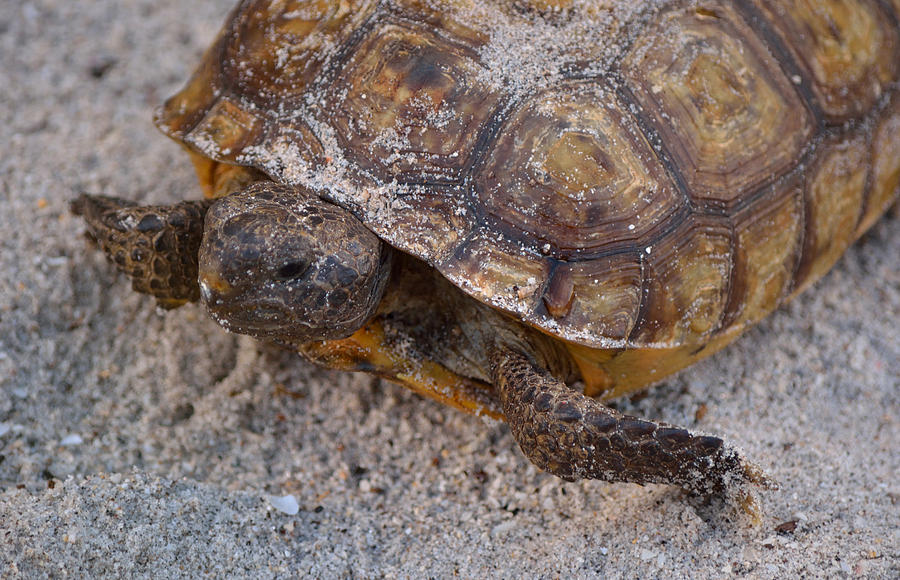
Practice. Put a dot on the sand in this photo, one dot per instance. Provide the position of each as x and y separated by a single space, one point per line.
137 443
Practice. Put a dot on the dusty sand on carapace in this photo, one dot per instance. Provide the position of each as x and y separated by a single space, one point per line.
136 443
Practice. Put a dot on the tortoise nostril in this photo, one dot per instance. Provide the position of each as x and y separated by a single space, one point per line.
291 270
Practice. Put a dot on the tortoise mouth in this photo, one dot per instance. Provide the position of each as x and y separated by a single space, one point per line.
242 311
259 316
259 319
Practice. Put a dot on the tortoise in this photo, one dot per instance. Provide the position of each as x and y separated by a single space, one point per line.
526 208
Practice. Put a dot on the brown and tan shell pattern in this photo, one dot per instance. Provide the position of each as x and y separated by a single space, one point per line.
622 175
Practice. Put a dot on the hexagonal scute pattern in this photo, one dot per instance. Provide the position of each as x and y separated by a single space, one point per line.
571 170
274 51
846 48
409 104
725 110
661 185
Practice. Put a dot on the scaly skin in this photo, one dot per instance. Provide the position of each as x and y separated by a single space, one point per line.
573 436
280 263
157 246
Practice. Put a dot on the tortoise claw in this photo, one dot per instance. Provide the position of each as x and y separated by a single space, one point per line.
157 246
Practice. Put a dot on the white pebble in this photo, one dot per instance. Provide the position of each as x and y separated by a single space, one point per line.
5 428
71 440
286 504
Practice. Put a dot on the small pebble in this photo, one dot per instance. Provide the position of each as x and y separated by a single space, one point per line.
285 504
70 440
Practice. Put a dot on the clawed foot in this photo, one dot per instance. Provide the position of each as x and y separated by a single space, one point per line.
573 436
157 246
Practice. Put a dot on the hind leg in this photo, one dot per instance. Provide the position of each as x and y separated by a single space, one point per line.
157 246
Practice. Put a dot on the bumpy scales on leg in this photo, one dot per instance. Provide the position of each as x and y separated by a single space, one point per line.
573 436
156 246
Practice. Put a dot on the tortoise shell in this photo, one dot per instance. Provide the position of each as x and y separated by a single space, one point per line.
641 180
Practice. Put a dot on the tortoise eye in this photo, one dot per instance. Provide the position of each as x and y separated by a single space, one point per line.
291 270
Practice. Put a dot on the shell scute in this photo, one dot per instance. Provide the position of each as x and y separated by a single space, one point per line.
226 127
767 237
885 155
275 50
435 222
687 277
489 264
834 193
606 296
846 48
408 104
724 108
571 169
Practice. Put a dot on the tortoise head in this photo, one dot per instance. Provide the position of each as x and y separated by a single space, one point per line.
280 263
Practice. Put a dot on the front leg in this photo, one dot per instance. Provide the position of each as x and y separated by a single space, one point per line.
573 436
156 246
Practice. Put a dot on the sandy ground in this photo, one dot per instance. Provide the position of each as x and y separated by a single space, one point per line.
141 444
